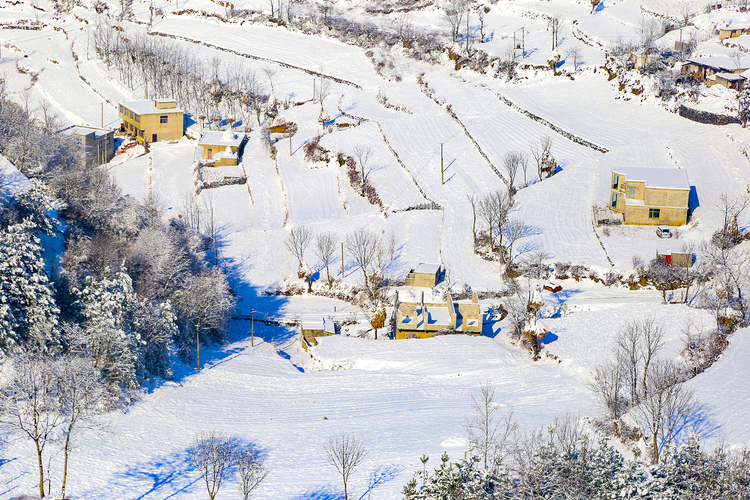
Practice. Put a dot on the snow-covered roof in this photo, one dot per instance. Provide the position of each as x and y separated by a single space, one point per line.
661 178
427 268
731 76
721 62
664 251
438 315
147 107
87 130
319 323
225 138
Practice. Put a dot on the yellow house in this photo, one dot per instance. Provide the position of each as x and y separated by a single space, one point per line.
426 275
309 329
221 147
152 121
731 31
420 319
653 196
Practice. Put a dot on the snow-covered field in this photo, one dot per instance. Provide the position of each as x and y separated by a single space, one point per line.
402 398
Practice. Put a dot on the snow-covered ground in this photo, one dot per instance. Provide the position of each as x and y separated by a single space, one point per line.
401 398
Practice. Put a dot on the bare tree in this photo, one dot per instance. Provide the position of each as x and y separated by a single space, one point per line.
362 154
298 240
453 14
511 163
325 249
405 26
345 453
495 210
651 342
667 407
576 53
487 430
250 471
214 454
474 202
29 407
362 246
513 231
321 91
541 152
81 400
628 355
205 301
606 385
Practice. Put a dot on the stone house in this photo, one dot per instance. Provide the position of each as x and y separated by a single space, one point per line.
152 121
641 59
652 196
731 31
98 144
420 319
309 329
703 67
222 147
427 275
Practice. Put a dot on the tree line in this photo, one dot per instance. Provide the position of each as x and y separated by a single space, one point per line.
130 290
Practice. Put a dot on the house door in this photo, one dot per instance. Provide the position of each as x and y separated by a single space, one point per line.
210 153
153 137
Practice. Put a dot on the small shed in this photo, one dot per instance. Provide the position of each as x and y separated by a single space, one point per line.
424 274
679 259
732 81
222 147
311 328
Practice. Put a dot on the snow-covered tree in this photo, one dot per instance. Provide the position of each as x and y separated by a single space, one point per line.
33 205
28 312
106 307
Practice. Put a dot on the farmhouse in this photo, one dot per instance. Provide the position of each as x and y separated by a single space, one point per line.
427 275
222 147
152 121
98 144
416 318
703 67
731 31
655 196
309 329
732 81
641 60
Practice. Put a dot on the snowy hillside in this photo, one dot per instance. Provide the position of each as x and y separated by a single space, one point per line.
436 132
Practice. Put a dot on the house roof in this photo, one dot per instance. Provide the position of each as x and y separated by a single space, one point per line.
427 268
88 130
147 107
732 77
218 138
721 62
661 178
319 323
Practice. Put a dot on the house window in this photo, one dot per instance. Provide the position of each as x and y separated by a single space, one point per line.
121 111
137 119
631 193
131 115
614 200
210 153
616 182
140 133
653 213
163 118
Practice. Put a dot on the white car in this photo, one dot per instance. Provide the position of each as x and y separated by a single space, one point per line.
663 232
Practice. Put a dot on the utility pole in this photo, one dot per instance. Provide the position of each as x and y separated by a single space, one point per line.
442 180
102 115
313 90
290 144
342 260
252 328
